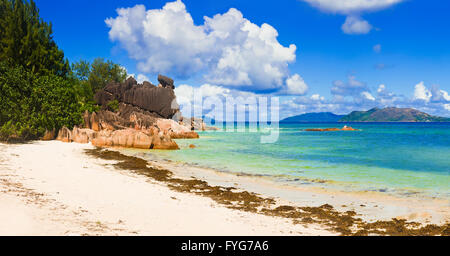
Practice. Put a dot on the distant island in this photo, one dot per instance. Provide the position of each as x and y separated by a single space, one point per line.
322 117
390 114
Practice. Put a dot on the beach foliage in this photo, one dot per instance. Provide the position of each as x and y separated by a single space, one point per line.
80 72
32 104
27 40
103 72
89 78
96 75
113 105
39 90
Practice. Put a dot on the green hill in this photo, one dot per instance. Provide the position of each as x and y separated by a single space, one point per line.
392 115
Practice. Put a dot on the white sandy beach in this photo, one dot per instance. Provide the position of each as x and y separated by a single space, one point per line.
53 188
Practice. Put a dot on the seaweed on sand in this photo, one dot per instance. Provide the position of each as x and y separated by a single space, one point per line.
344 223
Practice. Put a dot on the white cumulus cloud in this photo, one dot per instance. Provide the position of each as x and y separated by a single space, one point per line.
434 101
186 93
197 101
227 48
447 107
439 95
141 78
445 95
421 92
368 96
354 24
296 85
317 97
351 6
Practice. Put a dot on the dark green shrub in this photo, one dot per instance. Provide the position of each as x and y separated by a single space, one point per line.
113 105
31 104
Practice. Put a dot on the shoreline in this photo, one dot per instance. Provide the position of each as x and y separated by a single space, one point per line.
260 214
54 188
371 205
293 182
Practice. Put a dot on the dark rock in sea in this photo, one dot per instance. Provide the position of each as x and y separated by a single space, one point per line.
184 135
345 128
166 82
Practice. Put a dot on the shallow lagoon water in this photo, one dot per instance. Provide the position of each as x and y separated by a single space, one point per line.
396 158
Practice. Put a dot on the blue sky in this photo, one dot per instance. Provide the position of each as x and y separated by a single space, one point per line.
344 50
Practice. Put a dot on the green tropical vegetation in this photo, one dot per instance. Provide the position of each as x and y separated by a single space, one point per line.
39 90
89 78
102 72
113 105
32 104
26 40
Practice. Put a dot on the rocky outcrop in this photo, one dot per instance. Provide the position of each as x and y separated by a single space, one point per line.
193 124
49 135
64 135
130 138
139 119
109 129
78 135
211 128
159 101
86 119
196 124
184 135
176 130
83 135
348 128
166 82
163 142
94 122
168 125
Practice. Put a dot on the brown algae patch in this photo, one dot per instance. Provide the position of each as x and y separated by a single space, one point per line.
344 223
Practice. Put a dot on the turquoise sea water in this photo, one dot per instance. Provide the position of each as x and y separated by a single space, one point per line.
400 158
